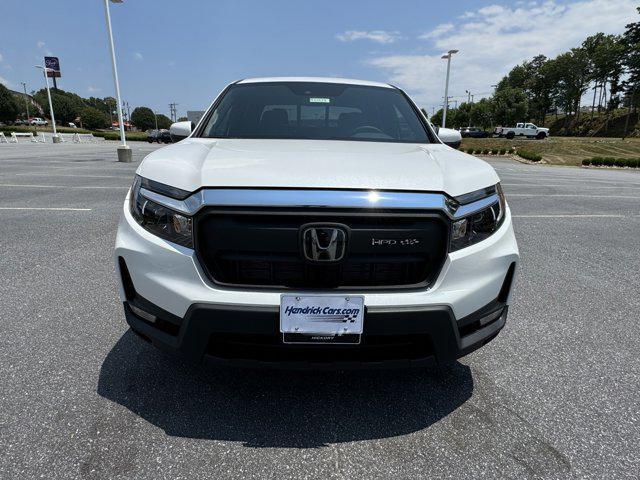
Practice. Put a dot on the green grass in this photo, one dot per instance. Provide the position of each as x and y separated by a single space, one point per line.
562 150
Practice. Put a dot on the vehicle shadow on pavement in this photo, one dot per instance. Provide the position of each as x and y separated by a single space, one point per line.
272 408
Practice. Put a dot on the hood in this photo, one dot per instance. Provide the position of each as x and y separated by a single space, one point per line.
194 163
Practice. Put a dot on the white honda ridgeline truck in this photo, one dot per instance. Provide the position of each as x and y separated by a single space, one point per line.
315 222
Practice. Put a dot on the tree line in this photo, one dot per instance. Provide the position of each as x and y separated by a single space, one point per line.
608 65
93 113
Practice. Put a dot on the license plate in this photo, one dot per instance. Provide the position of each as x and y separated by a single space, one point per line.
335 319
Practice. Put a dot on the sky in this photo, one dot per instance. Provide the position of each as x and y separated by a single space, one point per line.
186 51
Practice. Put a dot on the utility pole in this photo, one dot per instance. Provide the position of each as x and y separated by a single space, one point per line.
26 99
469 103
173 112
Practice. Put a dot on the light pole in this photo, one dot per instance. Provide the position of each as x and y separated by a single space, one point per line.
26 99
55 137
448 56
124 152
469 103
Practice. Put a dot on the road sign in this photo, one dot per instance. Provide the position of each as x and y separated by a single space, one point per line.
53 67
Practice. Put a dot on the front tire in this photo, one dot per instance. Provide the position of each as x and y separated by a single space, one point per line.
541 136
510 135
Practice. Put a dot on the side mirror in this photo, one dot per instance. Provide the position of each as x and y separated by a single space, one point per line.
450 137
180 130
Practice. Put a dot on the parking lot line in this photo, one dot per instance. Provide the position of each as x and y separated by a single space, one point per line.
570 180
70 175
568 215
567 185
63 186
51 209
568 195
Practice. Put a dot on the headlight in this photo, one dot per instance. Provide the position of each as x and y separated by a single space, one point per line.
157 219
479 225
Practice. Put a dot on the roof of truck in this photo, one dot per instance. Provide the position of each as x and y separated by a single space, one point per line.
349 81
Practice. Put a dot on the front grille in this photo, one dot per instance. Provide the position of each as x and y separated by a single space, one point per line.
264 249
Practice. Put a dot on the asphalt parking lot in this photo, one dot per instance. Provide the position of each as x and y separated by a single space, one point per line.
554 396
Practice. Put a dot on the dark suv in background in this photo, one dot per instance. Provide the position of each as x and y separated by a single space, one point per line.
160 136
473 132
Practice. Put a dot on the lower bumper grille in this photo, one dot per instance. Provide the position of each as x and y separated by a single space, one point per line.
269 348
264 249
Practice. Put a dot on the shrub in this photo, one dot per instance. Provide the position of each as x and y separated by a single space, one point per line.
485 151
470 151
134 136
503 151
597 161
620 162
586 161
608 161
532 156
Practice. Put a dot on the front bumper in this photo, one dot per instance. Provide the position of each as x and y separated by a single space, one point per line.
206 322
249 336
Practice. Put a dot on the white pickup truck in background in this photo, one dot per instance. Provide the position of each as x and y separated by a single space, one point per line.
528 130
40 122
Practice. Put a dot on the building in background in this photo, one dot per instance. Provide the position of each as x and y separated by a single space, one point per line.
194 115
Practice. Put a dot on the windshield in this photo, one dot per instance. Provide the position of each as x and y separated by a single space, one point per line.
316 111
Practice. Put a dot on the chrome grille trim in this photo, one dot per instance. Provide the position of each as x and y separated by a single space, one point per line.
306 198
